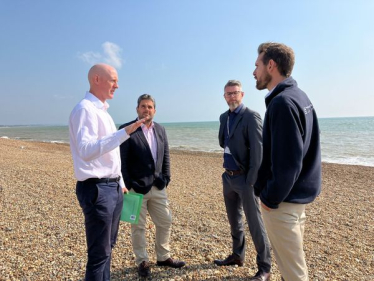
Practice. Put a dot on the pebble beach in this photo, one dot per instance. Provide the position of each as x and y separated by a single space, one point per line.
42 230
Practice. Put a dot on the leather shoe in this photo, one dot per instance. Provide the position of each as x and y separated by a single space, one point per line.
230 260
171 263
261 276
143 269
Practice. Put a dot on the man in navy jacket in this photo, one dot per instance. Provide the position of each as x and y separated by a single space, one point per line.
146 170
290 173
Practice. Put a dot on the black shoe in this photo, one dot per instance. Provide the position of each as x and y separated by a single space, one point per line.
261 276
171 263
143 269
230 260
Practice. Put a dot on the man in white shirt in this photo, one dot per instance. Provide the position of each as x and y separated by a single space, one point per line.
94 144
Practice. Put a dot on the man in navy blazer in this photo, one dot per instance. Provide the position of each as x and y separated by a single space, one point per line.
240 135
146 169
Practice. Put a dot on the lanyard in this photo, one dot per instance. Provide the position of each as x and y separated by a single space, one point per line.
228 126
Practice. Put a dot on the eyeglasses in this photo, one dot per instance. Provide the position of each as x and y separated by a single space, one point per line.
229 94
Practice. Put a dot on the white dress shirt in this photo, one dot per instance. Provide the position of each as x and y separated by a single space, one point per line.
94 140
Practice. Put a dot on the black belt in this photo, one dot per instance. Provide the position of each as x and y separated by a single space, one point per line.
234 173
102 180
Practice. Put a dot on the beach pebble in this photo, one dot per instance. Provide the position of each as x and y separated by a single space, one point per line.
42 225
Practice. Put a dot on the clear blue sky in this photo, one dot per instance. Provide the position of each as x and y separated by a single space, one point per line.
182 53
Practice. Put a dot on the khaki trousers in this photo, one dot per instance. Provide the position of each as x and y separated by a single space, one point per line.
157 205
285 229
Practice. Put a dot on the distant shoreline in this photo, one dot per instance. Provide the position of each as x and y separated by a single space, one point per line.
177 152
175 122
346 141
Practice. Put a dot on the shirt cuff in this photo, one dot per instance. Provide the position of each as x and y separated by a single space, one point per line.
121 183
123 136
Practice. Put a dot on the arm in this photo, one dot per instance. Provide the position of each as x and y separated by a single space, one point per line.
122 185
166 162
84 127
254 135
222 122
286 153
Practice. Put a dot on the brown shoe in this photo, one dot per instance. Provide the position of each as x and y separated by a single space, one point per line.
143 269
230 260
171 263
261 276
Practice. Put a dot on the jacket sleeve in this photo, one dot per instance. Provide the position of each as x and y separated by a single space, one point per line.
125 156
166 163
255 144
286 152
220 132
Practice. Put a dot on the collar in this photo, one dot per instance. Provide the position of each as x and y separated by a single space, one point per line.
286 83
237 110
92 98
268 94
144 127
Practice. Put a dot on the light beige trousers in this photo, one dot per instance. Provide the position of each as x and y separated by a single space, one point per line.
285 229
157 205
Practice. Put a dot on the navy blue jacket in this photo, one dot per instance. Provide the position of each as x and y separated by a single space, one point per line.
139 170
291 167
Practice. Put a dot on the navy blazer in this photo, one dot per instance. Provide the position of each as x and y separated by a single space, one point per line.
139 170
245 141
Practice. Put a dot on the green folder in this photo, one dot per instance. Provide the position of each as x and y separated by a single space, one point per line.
132 204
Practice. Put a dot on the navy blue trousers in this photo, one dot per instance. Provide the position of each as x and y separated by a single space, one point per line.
101 205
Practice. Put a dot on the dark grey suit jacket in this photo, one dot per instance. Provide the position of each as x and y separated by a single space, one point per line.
139 170
245 141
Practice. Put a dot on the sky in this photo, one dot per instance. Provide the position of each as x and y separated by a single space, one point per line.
182 53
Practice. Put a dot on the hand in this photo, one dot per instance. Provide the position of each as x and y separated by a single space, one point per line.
265 207
132 127
124 190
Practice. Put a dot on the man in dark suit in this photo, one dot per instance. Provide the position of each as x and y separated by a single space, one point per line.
240 135
146 170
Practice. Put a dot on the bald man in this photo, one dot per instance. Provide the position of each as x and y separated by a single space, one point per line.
94 144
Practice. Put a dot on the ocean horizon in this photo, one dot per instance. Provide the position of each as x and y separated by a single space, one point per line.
344 140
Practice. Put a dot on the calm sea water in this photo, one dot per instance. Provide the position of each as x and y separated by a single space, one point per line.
343 140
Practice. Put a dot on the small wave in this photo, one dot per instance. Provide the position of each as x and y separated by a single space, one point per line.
351 161
195 149
58 142
36 140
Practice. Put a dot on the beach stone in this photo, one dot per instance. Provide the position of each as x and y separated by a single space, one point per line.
42 228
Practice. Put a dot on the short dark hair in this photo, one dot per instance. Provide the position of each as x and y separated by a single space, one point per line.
147 97
281 54
233 83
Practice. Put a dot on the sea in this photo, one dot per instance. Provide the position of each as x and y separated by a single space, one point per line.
343 140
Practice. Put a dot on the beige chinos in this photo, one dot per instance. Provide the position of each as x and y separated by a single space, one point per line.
285 229
157 204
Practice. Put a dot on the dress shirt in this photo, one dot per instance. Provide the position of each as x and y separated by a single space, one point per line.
94 140
228 161
150 136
